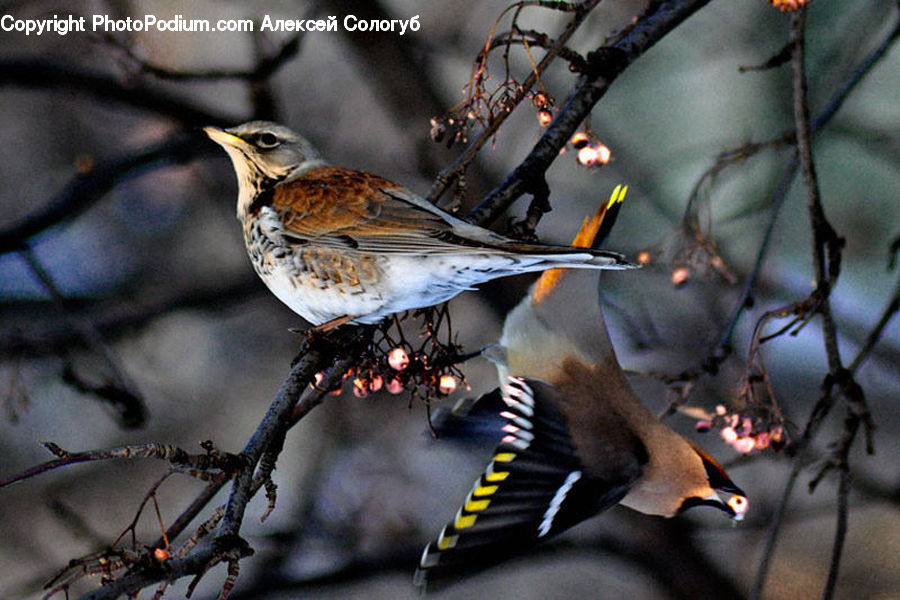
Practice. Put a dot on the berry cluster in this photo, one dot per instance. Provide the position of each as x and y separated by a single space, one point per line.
746 430
544 103
789 5
591 151
390 362
687 254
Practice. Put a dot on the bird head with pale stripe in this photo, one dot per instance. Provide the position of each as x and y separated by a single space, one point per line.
263 154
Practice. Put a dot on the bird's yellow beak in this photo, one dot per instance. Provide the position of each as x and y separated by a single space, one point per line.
224 138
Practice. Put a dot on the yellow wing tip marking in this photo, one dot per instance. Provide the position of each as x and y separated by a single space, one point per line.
583 239
504 457
446 542
464 521
485 490
476 505
496 476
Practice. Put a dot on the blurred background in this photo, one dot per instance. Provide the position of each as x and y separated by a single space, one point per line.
128 215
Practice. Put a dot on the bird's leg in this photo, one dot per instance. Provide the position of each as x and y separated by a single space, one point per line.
330 324
319 334
322 327
326 337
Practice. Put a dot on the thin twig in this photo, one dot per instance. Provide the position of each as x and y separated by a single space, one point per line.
43 74
264 68
851 425
226 545
458 166
723 347
85 190
826 255
788 137
824 236
197 504
172 454
837 101
746 300
604 66
772 537
893 306
121 393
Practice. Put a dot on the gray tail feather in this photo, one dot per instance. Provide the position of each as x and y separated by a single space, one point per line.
575 258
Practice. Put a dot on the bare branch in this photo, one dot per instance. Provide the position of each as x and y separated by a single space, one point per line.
175 455
199 503
788 137
119 392
42 74
226 545
604 65
825 240
264 68
272 429
826 260
455 170
118 318
772 536
85 190
893 306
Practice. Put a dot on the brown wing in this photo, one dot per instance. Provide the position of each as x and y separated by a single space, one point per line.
338 207
333 201
603 437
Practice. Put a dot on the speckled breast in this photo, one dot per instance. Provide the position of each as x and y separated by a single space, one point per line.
318 283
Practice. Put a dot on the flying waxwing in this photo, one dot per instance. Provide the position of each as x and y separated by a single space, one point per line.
576 438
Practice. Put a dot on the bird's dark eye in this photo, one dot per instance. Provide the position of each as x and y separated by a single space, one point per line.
267 140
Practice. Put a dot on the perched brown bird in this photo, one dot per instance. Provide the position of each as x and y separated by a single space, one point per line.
338 245
577 440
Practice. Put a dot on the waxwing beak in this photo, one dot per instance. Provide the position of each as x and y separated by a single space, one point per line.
738 505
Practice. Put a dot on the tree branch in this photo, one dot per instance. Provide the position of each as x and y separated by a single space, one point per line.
826 259
604 65
85 190
265 67
273 427
893 306
120 316
41 74
176 456
226 545
455 169
825 239
119 392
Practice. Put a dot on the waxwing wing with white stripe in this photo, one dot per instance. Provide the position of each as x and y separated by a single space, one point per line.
576 439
